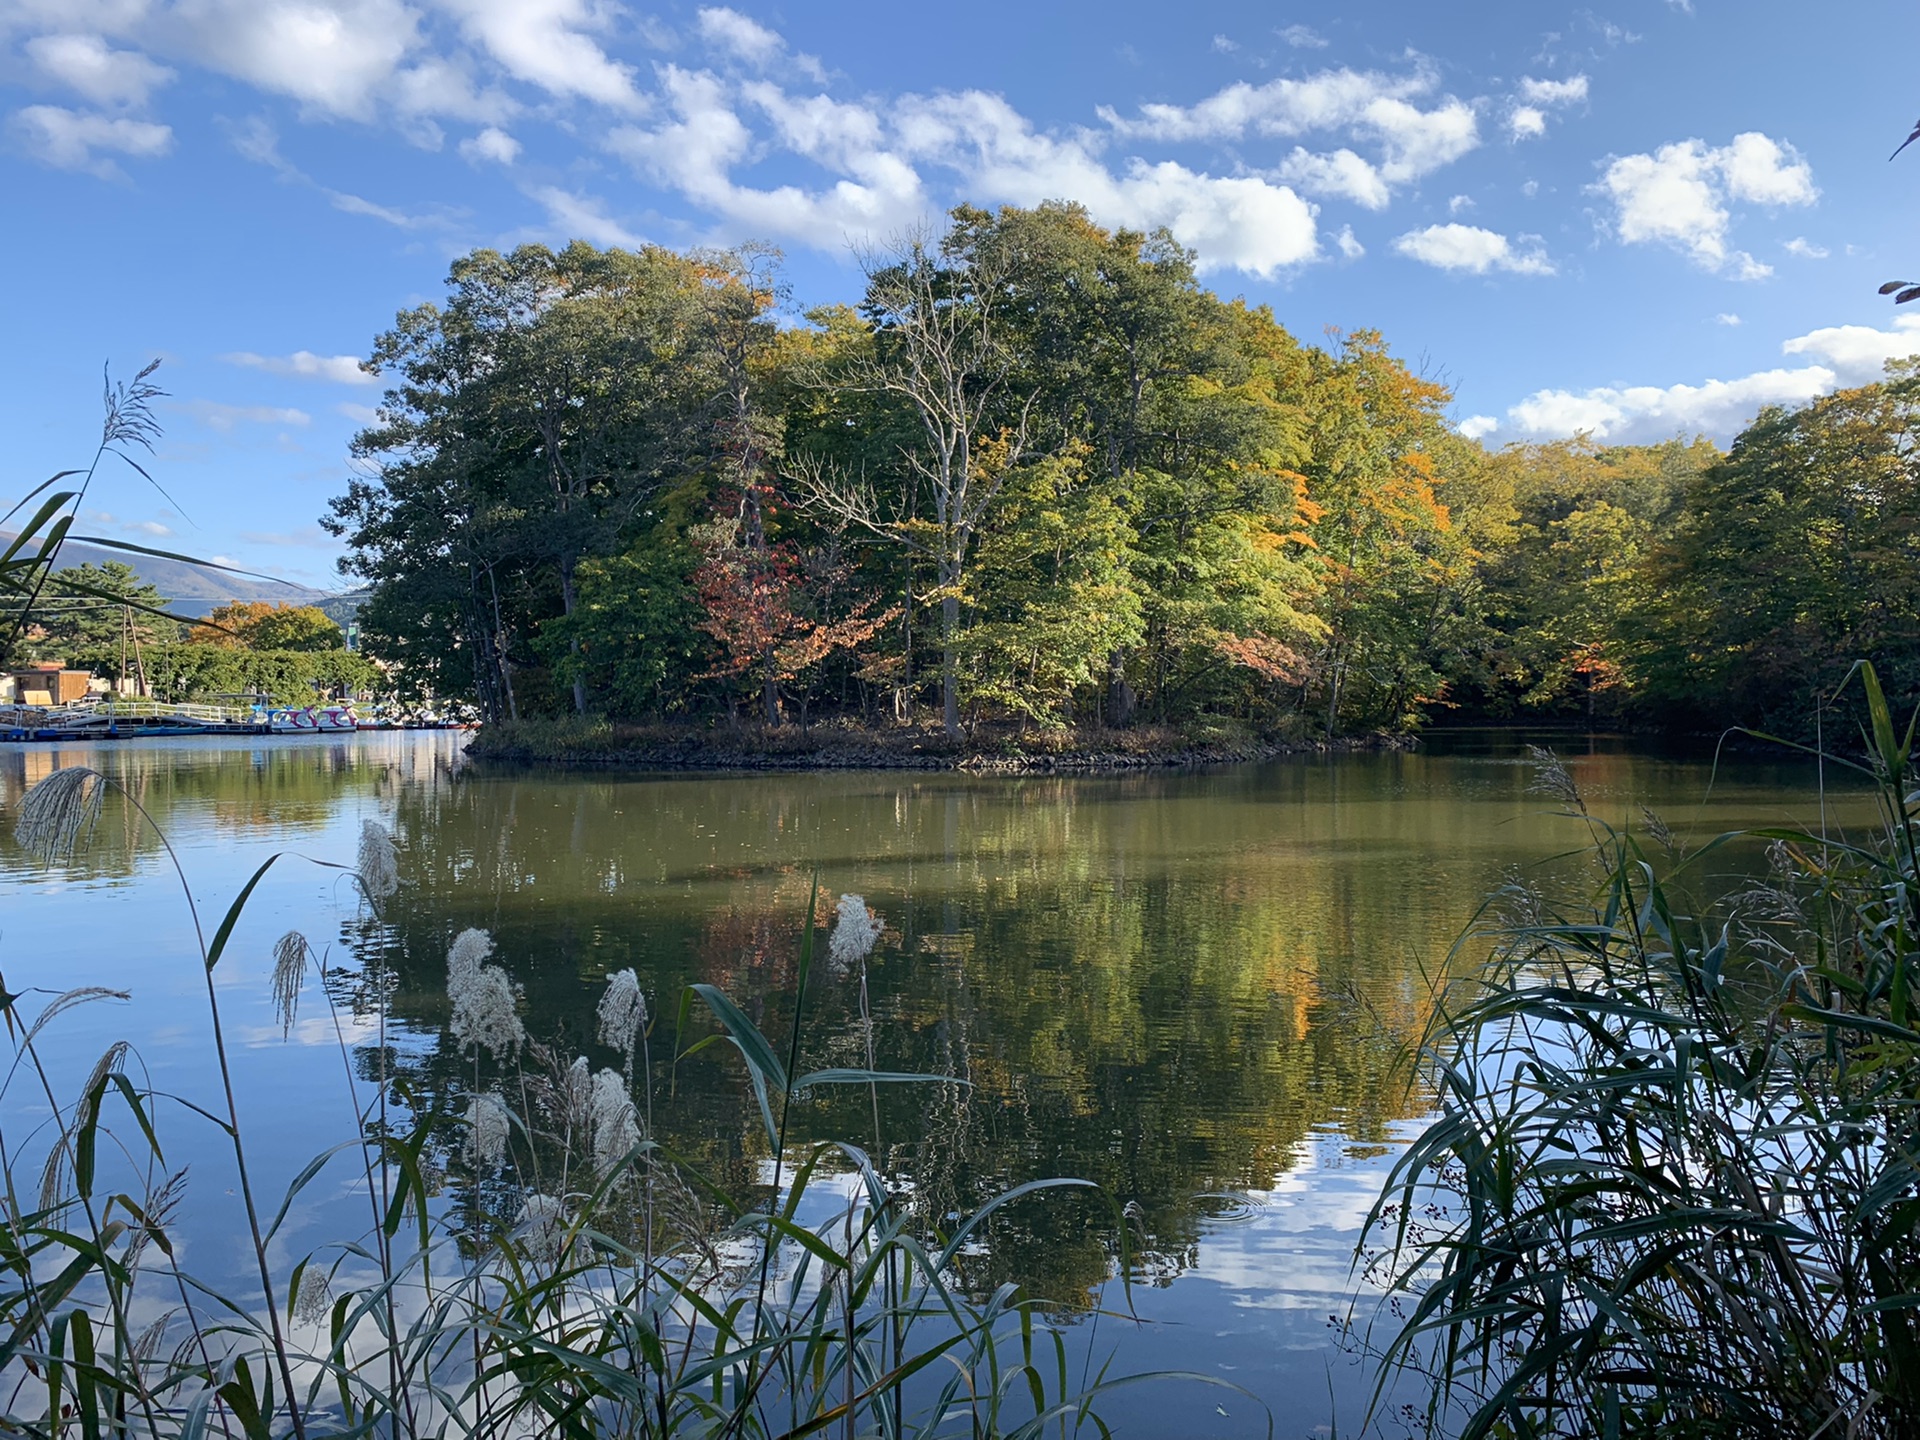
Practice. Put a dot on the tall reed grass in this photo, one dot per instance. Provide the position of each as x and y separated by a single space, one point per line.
592 1283
1673 1185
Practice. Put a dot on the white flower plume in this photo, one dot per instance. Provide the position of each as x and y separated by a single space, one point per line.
488 1126
379 867
616 1124
623 1011
855 930
485 1009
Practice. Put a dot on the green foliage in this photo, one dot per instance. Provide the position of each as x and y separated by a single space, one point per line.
1051 594
632 634
1674 1181
78 611
184 671
1088 490
1797 552
261 625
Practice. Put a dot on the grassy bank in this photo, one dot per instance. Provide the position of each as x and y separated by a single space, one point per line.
602 744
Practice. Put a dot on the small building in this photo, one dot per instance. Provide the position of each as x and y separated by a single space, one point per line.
49 685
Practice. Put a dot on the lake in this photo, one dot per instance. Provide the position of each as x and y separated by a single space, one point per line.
1195 989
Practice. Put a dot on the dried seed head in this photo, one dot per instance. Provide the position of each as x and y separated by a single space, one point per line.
1551 777
60 811
290 953
1657 828
485 1011
469 952
854 933
379 866
623 1011
311 1300
488 1126
160 1209
616 1124
148 1344
54 1174
541 1228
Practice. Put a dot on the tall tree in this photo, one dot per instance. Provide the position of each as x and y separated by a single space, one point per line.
532 416
944 351
1793 557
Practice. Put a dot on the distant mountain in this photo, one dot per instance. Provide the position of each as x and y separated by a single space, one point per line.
194 590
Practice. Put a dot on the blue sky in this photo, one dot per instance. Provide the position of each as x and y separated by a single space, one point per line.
1639 218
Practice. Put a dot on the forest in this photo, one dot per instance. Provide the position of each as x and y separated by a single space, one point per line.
1042 478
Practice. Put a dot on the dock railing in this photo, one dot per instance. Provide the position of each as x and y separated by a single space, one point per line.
119 709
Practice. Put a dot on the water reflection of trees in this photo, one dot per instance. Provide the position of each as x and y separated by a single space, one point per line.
272 785
1167 999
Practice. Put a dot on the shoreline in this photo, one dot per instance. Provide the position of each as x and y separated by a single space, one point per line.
906 751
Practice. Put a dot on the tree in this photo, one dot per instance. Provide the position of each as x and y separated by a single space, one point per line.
943 350
87 606
1795 556
530 419
263 625
1051 595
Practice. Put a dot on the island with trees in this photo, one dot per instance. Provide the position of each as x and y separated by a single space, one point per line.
1041 492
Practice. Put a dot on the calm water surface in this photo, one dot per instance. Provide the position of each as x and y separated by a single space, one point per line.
1190 988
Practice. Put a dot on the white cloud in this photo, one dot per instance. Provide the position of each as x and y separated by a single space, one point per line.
749 41
351 204
581 217
1302 37
1459 204
1239 222
548 43
74 139
1476 427
1858 353
1225 45
152 528
1370 106
492 144
731 31
1347 244
304 364
1526 122
225 418
359 414
1852 355
332 55
1802 248
257 141
1726 317
446 87
1570 91
1527 119
1341 173
85 63
1766 172
1242 222
1648 412
1469 248
1679 195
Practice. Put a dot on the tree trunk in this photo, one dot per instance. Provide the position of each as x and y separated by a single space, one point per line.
566 608
1120 697
949 656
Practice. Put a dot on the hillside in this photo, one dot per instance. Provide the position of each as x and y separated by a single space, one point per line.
194 590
